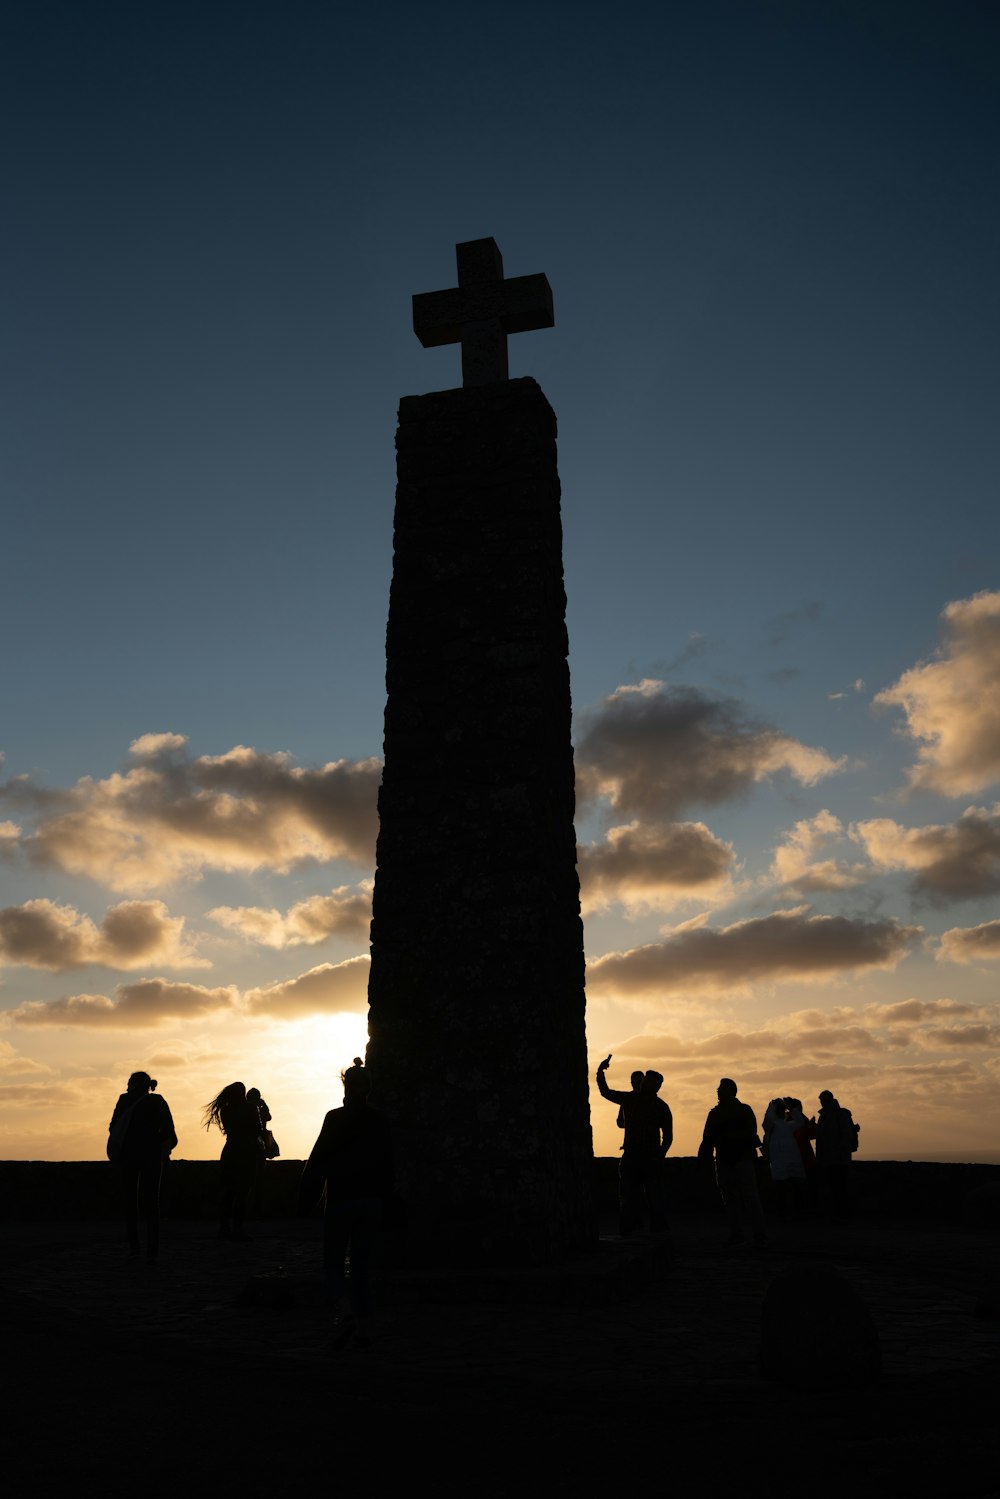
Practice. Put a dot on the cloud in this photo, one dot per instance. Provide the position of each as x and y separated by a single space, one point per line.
952 862
133 934
653 750
13 1064
135 1006
792 620
917 1011
798 863
813 1043
645 866
170 815
971 944
951 703
959 1035
345 912
329 989
697 959
858 685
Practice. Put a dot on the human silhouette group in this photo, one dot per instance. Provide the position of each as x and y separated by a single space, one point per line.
800 1174
351 1166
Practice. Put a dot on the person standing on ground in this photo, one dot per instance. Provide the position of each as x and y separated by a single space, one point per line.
141 1136
785 1159
649 1134
836 1136
731 1135
353 1160
240 1123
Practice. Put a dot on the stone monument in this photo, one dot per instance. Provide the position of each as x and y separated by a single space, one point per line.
476 999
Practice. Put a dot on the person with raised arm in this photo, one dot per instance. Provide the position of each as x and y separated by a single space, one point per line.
649 1133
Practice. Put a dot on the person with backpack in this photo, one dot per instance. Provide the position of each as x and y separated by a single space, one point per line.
836 1136
239 1121
141 1136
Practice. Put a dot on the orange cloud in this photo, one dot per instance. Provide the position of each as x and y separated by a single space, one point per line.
135 1006
799 862
971 944
327 990
951 703
170 815
951 862
345 912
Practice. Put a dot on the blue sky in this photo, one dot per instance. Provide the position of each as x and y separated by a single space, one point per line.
771 231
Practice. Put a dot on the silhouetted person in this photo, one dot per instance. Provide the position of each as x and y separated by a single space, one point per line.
731 1135
140 1138
260 1116
784 1155
636 1081
836 1136
240 1124
268 1144
649 1133
353 1159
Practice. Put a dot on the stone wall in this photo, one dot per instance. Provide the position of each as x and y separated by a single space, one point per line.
78 1191
478 1048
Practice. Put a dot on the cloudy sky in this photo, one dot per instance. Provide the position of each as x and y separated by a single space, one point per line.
771 230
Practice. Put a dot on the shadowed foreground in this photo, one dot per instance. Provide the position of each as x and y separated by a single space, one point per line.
213 1367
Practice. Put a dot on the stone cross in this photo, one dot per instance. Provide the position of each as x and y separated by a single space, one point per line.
481 311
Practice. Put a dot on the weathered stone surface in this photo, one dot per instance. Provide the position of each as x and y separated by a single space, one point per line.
477 1046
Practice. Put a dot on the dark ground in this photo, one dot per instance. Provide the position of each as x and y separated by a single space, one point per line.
617 1369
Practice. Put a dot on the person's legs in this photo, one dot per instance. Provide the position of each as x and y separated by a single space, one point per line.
725 1175
629 1195
336 1232
653 1188
365 1220
130 1198
149 1184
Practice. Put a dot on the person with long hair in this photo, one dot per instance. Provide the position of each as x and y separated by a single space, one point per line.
240 1124
140 1138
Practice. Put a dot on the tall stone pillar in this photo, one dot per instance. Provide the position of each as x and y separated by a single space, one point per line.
477 1049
